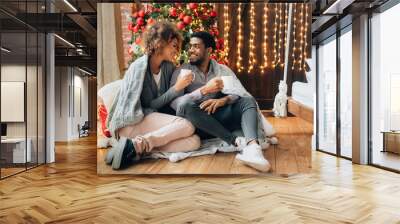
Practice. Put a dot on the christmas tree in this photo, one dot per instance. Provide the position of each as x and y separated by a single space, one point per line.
188 17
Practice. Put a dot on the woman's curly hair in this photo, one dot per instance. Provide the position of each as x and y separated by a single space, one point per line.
159 35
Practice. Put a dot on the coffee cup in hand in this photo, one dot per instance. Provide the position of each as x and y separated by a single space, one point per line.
228 82
185 72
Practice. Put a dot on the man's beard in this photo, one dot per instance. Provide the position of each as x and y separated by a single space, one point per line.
197 62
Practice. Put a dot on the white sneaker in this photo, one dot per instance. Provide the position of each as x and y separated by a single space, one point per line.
252 156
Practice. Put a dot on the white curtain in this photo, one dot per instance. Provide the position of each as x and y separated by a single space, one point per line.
109 44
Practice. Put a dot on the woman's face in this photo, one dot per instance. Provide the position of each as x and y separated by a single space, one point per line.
170 51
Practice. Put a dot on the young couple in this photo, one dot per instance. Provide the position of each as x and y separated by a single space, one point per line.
159 107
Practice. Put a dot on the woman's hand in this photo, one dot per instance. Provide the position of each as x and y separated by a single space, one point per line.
183 81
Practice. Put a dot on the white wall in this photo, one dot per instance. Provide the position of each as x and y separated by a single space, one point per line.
67 114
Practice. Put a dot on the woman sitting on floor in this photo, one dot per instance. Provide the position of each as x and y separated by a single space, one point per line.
140 116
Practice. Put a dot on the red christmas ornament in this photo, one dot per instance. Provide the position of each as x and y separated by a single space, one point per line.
130 26
140 21
181 16
187 19
213 14
173 12
135 29
193 6
138 40
180 25
141 13
151 21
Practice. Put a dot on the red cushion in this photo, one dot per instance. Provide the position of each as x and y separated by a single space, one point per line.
102 111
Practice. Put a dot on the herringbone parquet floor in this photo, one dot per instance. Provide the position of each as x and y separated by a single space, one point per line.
70 191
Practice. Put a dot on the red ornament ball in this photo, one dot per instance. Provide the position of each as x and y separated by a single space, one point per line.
193 6
181 16
151 21
130 26
140 21
180 25
187 19
135 29
141 13
213 14
173 12
138 40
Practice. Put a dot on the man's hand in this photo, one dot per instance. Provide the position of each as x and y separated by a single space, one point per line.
211 105
213 86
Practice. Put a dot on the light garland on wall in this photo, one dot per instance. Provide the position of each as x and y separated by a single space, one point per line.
227 27
301 50
240 37
252 58
305 38
294 36
280 27
286 26
264 65
275 33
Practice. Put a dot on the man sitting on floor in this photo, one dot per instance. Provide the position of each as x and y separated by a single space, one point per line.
215 111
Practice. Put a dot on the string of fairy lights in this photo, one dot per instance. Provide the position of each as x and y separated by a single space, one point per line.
252 57
227 27
265 39
240 38
275 33
280 27
305 37
274 24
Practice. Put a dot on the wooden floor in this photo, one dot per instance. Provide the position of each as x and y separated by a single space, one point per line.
291 156
70 191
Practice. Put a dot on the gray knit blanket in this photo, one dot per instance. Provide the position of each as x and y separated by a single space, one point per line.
126 108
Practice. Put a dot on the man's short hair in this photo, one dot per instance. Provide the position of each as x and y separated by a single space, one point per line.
207 39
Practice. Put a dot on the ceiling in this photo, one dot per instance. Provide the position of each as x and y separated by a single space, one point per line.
72 20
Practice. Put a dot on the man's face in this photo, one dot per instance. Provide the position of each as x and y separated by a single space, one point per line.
197 51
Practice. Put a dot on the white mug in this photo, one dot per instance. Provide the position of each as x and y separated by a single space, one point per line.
228 82
185 72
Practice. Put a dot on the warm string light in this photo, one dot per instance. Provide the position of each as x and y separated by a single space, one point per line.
265 38
252 58
286 26
300 61
227 27
305 37
280 27
240 37
275 33
294 36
